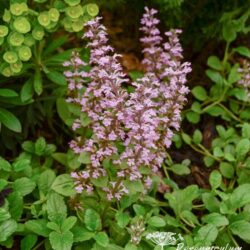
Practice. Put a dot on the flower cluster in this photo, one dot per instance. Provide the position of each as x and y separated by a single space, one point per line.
245 77
143 121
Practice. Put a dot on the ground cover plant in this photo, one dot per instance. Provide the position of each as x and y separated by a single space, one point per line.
110 145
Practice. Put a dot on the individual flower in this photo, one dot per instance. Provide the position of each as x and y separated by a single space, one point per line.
245 77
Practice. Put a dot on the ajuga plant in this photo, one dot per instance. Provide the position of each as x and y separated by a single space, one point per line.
123 137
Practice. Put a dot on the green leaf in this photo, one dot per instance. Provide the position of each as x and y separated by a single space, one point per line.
61 241
208 161
55 206
139 209
180 169
16 205
206 234
4 213
38 84
156 221
69 223
57 77
234 75
4 165
24 186
240 196
8 93
244 51
227 170
211 202
215 111
92 220
84 158
10 121
243 147
193 117
190 217
241 228
102 239
216 219
38 227
81 234
21 165
122 219
199 93
215 76
186 138
63 110
27 91
40 146
228 31
197 136
245 130
215 179
28 242
45 180
215 63
64 185
7 228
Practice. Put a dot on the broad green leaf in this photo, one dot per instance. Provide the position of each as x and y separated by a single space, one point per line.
206 234
234 75
21 165
10 121
45 180
64 185
197 136
61 241
69 223
24 186
180 169
84 158
199 93
102 239
38 227
240 196
193 117
139 209
122 219
8 93
215 76
55 206
40 146
215 218
228 31
243 147
215 179
211 203
189 216
4 165
7 228
245 130
28 242
186 138
57 77
38 83
244 51
215 63
81 234
16 205
4 214
227 170
63 110
156 221
241 228
27 91
92 220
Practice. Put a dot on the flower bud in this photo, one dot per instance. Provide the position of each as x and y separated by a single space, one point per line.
6 16
16 67
72 2
92 9
16 39
74 11
29 40
18 9
24 53
54 14
44 18
38 33
22 25
10 57
3 30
